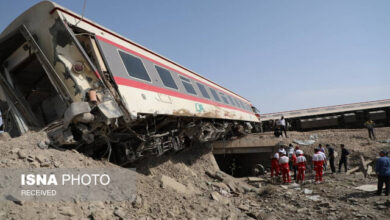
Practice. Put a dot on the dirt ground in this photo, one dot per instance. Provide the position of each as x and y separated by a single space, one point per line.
188 185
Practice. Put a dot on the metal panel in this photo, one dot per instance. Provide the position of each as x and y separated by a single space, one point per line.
377 115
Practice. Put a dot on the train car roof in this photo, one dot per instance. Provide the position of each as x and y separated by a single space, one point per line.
327 110
55 7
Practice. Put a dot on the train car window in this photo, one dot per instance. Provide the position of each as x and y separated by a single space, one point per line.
231 100
243 105
223 98
166 77
249 107
203 91
215 95
187 85
238 103
134 66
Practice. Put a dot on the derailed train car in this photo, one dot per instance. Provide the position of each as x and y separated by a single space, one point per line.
91 88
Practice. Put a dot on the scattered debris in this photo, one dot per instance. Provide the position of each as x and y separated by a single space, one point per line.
314 198
15 200
350 171
232 186
244 207
215 175
120 213
294 186
363 166
22 154
255 179
167 181
268 190
369 170
385 141
367 188
219 198
44 144
67 211
40 158
307 191
137 203
304 142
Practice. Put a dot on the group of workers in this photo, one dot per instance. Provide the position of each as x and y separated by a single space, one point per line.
283 161
294 159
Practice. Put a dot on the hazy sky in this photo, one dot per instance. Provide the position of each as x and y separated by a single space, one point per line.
281 55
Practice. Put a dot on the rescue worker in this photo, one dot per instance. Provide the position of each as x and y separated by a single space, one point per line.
322 148
318 163
294 164
275 165
290 152
301 164
283 165
322 151
370 127
382 168
343 158
281 149
331 158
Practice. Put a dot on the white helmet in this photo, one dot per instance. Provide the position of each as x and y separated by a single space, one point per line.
282 151
299 152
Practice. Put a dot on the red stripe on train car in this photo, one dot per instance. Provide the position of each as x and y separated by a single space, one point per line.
158 63
149 87
144 48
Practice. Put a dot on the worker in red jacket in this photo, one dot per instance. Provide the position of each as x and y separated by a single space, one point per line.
318 163
284 167
275 165
301 164
294 164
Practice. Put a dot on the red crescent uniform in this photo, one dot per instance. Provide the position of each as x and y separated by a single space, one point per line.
301 163
318 162
294 159
284 167
275 165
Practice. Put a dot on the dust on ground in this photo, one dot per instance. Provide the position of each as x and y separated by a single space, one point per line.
188 185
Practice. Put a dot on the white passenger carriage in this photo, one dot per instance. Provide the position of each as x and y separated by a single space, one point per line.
89 86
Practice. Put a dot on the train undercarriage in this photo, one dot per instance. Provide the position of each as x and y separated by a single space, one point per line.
147 136
153 136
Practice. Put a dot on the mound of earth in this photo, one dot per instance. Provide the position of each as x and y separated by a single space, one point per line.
188 185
